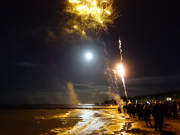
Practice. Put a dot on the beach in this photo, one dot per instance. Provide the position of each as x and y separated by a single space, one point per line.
75 121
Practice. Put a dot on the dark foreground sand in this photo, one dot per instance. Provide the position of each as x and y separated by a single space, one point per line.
76 122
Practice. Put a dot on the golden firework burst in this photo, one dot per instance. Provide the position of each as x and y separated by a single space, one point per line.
90 14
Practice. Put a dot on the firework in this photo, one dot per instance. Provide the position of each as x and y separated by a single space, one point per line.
89 15
120 68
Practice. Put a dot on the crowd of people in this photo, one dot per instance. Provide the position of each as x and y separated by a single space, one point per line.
152 111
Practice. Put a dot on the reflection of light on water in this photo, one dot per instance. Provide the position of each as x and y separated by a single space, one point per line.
121 118
87 125
90 121
58 131
87 104
57 116
124 133
60 115
87 114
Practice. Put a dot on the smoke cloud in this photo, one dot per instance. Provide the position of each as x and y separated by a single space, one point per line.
71 94
114 96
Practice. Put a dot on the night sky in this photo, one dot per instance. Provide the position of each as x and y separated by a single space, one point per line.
40 59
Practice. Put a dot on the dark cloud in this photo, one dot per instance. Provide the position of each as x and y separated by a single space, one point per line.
28 64
89 92
135 87
152 85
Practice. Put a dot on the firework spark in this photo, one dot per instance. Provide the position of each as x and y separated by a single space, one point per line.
90 14
120 68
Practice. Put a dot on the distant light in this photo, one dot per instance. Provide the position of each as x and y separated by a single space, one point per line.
136 101
168 98
88 55
148 102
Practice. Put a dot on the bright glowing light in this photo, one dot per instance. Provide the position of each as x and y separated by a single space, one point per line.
74 1
89 56
120 70
148 102
168 98
90 14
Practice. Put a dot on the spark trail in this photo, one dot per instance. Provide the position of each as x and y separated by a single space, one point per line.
121 68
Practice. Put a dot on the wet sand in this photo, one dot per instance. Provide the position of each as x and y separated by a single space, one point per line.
74 122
